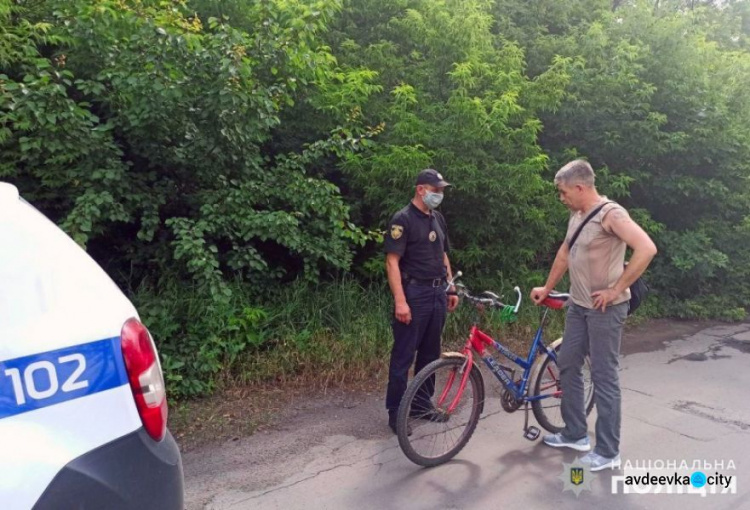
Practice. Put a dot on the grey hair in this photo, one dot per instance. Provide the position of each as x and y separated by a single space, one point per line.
577 171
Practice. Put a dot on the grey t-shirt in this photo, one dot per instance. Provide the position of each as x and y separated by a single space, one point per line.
597 259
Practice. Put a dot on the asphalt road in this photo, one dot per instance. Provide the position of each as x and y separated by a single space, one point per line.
685 398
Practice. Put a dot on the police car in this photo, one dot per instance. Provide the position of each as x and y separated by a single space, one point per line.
83 409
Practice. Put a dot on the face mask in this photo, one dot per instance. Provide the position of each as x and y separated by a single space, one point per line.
432 200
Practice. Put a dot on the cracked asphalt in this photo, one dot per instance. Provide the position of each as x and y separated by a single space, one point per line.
685 398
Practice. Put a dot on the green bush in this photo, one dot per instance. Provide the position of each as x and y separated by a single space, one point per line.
148 133
200 340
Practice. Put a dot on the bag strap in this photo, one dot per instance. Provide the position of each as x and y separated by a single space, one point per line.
583 224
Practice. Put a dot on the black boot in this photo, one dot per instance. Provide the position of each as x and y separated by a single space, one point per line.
392 423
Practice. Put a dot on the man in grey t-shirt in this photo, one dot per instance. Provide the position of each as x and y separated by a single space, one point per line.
599 291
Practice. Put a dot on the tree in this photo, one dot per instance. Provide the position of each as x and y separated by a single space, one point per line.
661 111
454 97
145 130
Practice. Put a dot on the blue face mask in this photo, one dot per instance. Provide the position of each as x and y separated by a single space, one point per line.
432 200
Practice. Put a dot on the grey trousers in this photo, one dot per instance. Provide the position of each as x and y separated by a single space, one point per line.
597 334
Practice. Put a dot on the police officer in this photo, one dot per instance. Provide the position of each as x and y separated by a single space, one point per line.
417 264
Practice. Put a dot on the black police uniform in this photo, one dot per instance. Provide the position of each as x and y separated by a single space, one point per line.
421 240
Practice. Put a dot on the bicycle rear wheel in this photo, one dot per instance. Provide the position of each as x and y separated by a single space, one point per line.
441 415
547 410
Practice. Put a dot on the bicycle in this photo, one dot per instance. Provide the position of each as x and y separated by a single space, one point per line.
443 403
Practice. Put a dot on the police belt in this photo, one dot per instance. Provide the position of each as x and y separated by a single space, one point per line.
425 282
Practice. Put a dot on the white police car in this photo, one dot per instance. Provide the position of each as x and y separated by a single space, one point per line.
83 408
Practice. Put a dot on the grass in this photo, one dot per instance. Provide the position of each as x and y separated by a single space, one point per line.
329 334
314 335
325 334
340 333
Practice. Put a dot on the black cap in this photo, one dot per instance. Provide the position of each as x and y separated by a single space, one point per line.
431 177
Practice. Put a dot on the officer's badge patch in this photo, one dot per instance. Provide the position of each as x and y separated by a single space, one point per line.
433 236
397 231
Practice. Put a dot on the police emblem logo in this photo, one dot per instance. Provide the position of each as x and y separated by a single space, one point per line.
397 231
433 236
576 475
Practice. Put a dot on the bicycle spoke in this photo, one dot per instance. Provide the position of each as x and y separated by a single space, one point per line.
438 433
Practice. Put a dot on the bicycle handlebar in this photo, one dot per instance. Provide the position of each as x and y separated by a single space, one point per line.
493 299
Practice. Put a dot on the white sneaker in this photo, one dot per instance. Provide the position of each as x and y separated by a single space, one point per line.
596 462
560 441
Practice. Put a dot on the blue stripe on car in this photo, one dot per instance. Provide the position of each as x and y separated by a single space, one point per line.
99 363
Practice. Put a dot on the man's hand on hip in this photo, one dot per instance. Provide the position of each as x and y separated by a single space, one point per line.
403 313
602 298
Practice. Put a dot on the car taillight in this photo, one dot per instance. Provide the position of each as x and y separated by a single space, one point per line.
145 376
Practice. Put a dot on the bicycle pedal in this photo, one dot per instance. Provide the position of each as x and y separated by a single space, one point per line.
532 433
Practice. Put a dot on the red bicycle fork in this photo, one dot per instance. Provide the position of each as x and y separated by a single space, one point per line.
465 372
476 340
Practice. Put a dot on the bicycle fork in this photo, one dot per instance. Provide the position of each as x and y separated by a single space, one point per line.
464 372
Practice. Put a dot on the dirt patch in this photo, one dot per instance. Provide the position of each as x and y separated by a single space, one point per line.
235 413
227 415
653 335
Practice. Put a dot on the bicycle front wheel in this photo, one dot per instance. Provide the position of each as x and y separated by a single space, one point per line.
442 409
547 385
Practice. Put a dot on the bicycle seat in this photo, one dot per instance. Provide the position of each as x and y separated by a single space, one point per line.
556 300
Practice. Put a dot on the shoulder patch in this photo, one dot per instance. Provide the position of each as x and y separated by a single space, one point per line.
397 231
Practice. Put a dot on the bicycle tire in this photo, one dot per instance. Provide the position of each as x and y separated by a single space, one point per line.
538 407
409 444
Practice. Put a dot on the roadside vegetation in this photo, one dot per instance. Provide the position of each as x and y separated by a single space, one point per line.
233 164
